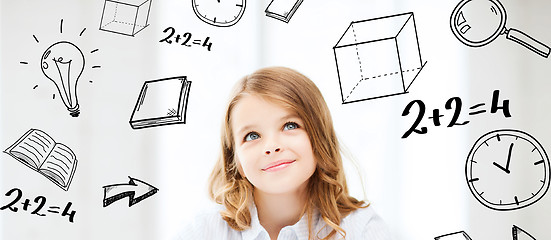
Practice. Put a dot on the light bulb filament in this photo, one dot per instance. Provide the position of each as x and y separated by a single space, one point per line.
64 67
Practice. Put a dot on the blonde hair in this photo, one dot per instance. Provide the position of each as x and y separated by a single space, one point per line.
327 189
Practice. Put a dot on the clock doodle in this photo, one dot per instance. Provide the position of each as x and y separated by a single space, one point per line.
220 13
507 170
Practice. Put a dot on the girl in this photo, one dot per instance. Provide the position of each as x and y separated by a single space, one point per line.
280 173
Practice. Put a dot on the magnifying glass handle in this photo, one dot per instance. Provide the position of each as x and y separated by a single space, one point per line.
528 42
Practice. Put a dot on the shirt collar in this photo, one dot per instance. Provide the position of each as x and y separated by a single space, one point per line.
300 229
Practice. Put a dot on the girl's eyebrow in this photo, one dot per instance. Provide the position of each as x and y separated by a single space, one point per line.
245 128
290 115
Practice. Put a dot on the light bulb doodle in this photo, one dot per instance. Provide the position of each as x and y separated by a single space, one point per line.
63 63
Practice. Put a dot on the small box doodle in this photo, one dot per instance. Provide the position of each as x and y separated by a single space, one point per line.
127 17
378 57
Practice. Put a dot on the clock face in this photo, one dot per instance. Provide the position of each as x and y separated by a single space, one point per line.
221 13
507 170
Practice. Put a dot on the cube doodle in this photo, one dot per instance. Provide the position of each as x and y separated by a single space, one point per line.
378 58
127 17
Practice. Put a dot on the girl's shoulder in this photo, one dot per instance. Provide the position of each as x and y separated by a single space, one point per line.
365 223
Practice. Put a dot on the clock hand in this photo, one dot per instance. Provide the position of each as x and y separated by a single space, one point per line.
502 168
506 168
509 156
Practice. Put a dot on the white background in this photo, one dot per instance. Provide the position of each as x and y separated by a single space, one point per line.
416 184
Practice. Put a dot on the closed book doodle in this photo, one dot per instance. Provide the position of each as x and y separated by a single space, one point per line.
161 102
283 9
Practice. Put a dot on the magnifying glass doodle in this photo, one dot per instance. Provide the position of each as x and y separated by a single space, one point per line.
479 22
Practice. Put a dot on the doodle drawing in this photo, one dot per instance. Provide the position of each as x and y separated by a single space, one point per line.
478 22
519 234
63 63
161 102
127 17
36 209
454 236
378 58
219 13
283 10
509 158
136 191
38 151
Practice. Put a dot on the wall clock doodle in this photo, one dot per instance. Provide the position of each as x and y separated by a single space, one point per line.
507 170
220 13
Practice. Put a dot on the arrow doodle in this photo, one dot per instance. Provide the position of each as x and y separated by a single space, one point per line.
133 188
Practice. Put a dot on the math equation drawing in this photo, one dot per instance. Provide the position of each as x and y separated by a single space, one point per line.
282 10
511 158
136 191
219 13
126 17
40 152
39 209
161 102
476 23
378 58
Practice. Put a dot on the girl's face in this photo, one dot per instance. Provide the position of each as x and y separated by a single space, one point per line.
272 147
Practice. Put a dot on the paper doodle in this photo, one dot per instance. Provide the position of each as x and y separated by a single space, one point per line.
219 13
37 206
476 23
63 64
282 10
136 191
456 104
454 236
161 102
38 151
378 58
126 17
511 158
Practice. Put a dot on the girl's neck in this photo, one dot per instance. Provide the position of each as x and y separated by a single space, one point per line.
276 211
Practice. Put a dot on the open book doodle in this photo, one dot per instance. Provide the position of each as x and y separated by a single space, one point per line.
40 152
161 102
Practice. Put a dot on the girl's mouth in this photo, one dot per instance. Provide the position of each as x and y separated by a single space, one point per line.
278 165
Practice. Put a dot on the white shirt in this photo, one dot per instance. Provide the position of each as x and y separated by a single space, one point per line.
362 223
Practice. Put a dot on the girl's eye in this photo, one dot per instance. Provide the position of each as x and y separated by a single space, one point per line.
251 136
290 126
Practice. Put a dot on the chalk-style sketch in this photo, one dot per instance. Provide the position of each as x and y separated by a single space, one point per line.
510 158
519 234
63 63
126 17
40 152
184 39
461 235
36 209
378 58
456 104
136 191
219 13
161 102
282 10
478 22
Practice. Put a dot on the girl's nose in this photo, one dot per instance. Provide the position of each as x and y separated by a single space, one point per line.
275 150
